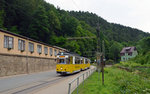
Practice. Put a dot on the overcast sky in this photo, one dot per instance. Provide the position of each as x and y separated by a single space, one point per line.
133 13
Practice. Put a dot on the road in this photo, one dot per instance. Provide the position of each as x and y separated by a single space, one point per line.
38 83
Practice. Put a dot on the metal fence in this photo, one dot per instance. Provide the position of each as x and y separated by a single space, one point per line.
74 84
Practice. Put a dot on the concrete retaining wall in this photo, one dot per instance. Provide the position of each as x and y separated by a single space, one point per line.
15 64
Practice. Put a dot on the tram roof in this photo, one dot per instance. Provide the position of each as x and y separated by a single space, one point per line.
71 53
68 53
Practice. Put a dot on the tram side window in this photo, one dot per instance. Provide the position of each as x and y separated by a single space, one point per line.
8 42
77 61
86 61
67 60
82 61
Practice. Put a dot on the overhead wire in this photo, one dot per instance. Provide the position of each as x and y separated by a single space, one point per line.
75 4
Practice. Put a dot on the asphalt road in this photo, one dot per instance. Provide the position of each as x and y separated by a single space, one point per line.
62 86
27 83
13 82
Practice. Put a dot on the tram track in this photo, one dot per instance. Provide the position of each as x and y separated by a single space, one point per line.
31 87
39 86
62 86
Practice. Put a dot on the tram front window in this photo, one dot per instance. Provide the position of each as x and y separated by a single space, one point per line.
61 61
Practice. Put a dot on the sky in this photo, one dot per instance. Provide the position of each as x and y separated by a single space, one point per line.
132 13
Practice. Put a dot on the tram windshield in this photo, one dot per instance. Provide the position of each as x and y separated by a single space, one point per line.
61 61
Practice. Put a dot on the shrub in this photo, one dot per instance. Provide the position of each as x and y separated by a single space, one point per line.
109 62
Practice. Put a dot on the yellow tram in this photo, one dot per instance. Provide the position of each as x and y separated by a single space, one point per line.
68 63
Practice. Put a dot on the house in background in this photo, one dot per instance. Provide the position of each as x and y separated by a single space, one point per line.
127 53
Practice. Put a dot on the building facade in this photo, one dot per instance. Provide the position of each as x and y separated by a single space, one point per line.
128 53
19 54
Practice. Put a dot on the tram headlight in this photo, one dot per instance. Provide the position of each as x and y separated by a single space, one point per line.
61 68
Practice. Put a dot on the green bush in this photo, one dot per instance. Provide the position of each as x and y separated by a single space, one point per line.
109 62
141 59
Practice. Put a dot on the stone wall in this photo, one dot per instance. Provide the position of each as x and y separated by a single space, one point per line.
15 64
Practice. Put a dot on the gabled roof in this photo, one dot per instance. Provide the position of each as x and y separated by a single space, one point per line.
128 49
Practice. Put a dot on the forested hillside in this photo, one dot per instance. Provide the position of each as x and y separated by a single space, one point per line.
112 31
42 21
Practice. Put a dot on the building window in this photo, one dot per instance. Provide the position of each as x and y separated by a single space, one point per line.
8 42
50 51
122 54
39 49
55 52
45 50
31 47
130 54
21 45
59 51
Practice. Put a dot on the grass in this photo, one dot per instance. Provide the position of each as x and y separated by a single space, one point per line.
117 81
142 70
132 64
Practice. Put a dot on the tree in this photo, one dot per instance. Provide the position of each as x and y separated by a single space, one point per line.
73 47
39 26
69 25
144 45
59 41
54 23
14 29
42 21
1 18
2 13
115 51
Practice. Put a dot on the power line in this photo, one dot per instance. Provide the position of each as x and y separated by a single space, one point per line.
75 4
76 38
